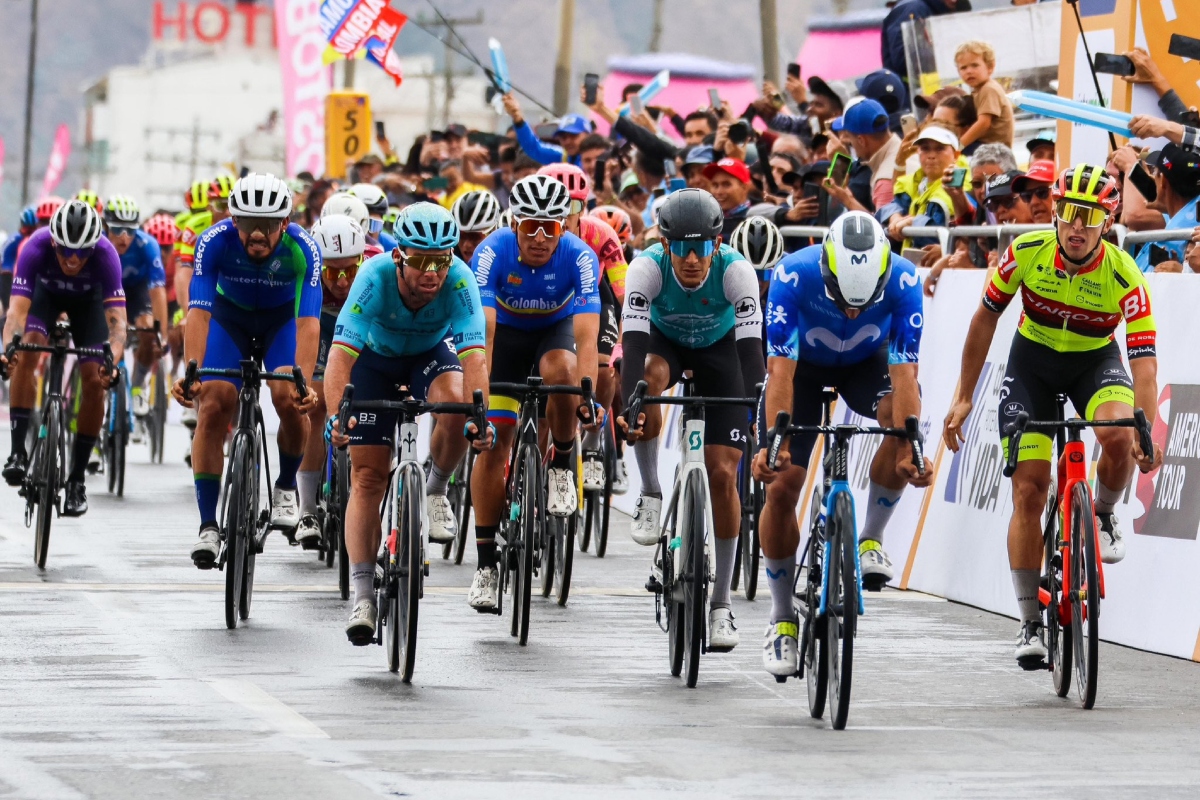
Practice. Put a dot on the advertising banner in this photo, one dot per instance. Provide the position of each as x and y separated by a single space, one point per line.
306 82
59 154
372 25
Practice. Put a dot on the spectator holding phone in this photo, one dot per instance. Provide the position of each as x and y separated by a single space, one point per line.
976 61
571 131
1147 73
875 147
1178 183
923 198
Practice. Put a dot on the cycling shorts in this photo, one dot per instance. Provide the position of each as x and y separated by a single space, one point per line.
235 334
376 377
716 372
860 385
84 312
328 325
516 354
1037 374
610 322
137 301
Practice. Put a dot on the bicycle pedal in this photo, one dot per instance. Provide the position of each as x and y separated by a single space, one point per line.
653 585
781 678
1033 664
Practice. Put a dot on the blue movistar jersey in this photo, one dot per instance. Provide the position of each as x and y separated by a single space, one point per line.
8 261
387 241
142 263
804 324
374 315
532 298
291 274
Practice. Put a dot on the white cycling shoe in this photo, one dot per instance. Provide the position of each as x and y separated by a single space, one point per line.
620 478
308 532
188 418
563 499
360 630
285 505
876 566
482 596
1112 544
781 649
645 522
206 550
593 473
722 633
1031 648
442 525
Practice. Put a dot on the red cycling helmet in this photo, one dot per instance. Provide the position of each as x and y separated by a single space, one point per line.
163 228
47 206
571 176
617 219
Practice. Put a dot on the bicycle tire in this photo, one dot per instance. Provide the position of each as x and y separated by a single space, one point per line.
750 562
843 598
591 519
735 578
108 438
459 493
257 525
405 581
547 555
120 434
812 642
464 522
46 486
564 559
530 524
1085 594
600 535
695 577
341 480
235 512
158 398
671 605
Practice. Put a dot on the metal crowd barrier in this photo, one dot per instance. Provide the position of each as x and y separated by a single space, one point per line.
1168 235
807 231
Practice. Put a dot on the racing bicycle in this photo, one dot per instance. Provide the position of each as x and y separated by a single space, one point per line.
597 503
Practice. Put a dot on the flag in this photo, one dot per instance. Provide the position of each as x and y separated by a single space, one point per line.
59 154
363 28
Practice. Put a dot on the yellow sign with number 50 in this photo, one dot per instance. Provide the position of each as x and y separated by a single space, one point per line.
347 130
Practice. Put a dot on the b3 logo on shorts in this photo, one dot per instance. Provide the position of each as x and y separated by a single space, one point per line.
365 419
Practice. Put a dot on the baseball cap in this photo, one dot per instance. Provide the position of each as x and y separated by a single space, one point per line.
818 86
1038 172
1047 136
929 101
370 159
863 117
573 123
730 166
884 87
630 181
936 133
700 154
1180 167
1002 185
805 172
457 130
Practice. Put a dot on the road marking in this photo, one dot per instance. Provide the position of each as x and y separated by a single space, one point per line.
274 712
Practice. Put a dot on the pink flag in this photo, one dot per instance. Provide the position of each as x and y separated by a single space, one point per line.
306 82
58 160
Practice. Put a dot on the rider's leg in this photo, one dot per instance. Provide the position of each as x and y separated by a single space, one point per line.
308 479
487 492
89 420
293 433
645 450
23 390
779 534
369 469
558 367
1115 467
216 403
722 462
1030 483
447 445
143 357
886 484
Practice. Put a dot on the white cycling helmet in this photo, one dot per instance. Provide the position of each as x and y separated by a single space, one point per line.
505 218
477 211
345 204
76 225
261 195
122 210
759 241
856 260
539 197
339 236
372 196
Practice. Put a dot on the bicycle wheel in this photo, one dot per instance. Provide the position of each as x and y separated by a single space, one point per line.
548 556
404 591
812 642
258 522
46 466
695 576
1085 594
108 438
841 616
1058 635
464 521
235 526
564 549
750 566
158 411
459 494
341 483
610 465
530 523
120 435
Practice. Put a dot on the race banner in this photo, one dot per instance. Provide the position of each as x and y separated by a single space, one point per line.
59 154
351 26
306 82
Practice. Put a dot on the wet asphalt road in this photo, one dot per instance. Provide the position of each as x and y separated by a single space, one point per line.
118 679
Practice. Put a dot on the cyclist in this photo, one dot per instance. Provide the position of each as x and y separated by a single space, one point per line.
477 214
91 198
347 205
618 220
760 242
847 314
162 228
693 305
538 287
8 260
144 280
256 279
377 206
1075 290
212 199
70 268
603 241
413 318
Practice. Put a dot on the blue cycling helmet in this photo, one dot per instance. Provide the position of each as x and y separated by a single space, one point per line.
426 226
29 216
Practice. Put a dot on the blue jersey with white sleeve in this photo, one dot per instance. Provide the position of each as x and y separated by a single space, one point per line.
291 274
142 263
804 324
533 298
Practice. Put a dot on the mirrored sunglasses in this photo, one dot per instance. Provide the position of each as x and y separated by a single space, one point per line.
1092 216
264 225
121 230
424 262
701 247
72 252
550 228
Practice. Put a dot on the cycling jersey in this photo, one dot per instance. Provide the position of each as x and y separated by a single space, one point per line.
9 258
38 267
386 241
142 263
376 317
1074 313
599 235
291 275
804 324
190 231
532 298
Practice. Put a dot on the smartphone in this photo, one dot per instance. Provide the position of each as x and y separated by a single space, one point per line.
599 173
1159 254
793 70
435 184
812 190
1142 181
1114 65
958 177
669 167
590 83
714 100
908 124
839 169
437 136
379 132
636 106
1184 46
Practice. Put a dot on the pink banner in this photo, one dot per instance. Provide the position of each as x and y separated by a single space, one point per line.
58 160
306 82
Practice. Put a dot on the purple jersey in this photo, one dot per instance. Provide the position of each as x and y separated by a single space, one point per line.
38 265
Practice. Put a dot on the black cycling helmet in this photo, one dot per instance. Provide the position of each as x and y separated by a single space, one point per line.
690 214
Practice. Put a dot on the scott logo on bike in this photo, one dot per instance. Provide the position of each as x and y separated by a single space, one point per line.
695 440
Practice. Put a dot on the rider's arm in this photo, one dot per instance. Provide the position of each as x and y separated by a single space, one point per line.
643 282
18 310
308 304
108 265
1140 336
781 371
470 330
587 328
586 313
158 285
975 350
200 293
534 147
24 277
337 375
904 341
741 290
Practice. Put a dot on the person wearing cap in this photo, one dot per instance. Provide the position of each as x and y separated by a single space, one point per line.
1006 205
1178 180
694 163
819 102
368 168
1036 189
456 140
885 87
926 103
1042 146
873 175
729 181
891 38
923 198
572 129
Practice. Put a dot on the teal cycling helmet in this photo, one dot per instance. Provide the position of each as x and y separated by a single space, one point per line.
426 226
29 216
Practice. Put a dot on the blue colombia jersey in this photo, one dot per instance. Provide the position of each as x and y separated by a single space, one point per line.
804 324
142 263
532 298
291 274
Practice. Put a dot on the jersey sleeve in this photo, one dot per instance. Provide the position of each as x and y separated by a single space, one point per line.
467 320
741 290
185 246
202 290
1005 282
481 264
158 273
908 320
308 289
587 280
612 259
363 303
25 272
1140 330
783 309
109 273
643 282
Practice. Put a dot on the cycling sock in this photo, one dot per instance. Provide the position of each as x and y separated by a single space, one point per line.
881 502
646 452
139 375
726 555
308 482
438 480
362 577
1026 583
591 440
562 455
208 490
288 467
1106 498
485 544
19 422
781 579
79 456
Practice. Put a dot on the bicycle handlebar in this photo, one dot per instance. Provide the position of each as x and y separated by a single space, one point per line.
633 409
1023 423
476 409
16 345
911 432
249 371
